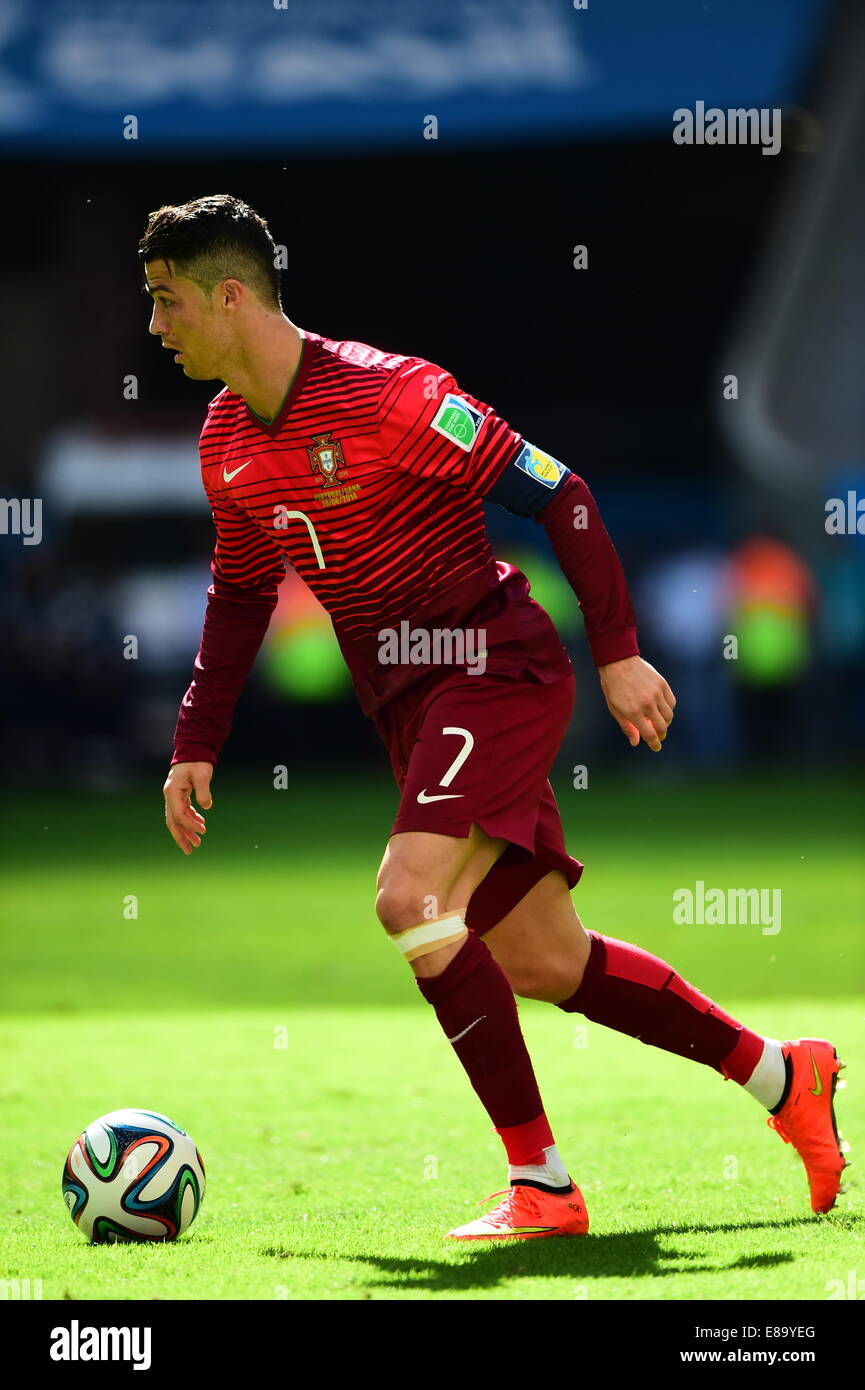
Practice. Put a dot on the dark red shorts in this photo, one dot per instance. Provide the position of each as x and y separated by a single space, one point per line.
478 750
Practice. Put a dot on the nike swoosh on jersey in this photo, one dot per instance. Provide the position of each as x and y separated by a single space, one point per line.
228 476
445 796
467 1030
818 1089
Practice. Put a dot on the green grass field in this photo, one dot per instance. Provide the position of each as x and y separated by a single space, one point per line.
336 1162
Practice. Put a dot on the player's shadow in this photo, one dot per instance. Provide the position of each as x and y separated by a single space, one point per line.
622 1254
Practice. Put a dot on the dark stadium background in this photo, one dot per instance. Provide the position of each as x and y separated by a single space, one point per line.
458 249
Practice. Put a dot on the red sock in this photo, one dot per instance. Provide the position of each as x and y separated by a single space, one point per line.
472 998
634 992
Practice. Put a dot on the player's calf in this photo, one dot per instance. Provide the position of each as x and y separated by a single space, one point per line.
541 944
472 999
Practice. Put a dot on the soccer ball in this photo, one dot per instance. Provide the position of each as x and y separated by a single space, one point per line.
133 1175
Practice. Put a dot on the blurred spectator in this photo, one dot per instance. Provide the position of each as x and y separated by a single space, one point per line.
771 606
680 604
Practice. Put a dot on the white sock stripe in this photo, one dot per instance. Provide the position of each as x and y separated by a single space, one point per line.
551 1171
766 1082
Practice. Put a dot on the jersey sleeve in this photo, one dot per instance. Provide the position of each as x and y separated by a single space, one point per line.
431 428
592 567
247 568
246 563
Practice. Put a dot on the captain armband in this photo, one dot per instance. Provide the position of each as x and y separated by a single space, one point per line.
529 482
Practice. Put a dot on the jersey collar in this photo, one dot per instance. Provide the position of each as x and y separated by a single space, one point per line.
308 350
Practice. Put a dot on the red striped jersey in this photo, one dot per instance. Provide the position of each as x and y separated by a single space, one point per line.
368 481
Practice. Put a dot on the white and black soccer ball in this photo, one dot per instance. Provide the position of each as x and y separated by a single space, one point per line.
133 1175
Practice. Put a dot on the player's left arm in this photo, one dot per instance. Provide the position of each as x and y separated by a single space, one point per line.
536 485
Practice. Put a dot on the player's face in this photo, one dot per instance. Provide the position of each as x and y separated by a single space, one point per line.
185 320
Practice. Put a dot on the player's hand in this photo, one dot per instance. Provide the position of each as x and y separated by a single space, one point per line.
184 822
639 700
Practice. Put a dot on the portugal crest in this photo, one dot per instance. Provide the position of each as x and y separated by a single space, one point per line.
325 457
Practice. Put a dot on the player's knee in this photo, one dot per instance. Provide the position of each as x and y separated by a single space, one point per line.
399 904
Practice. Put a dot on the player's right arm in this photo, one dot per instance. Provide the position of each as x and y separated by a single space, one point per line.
247 569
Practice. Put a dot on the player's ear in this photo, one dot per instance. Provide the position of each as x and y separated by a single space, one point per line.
230 294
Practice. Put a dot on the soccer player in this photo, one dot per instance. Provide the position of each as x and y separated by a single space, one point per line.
366 469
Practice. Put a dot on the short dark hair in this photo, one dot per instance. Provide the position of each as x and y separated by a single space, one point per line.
212 239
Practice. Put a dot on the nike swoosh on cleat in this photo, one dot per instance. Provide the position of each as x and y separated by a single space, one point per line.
466 1030
228 476
818 1089
528 1230
446 796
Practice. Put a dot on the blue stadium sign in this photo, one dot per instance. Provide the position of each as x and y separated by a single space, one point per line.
287 74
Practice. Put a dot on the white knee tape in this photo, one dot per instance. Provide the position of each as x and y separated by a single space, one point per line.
430 936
